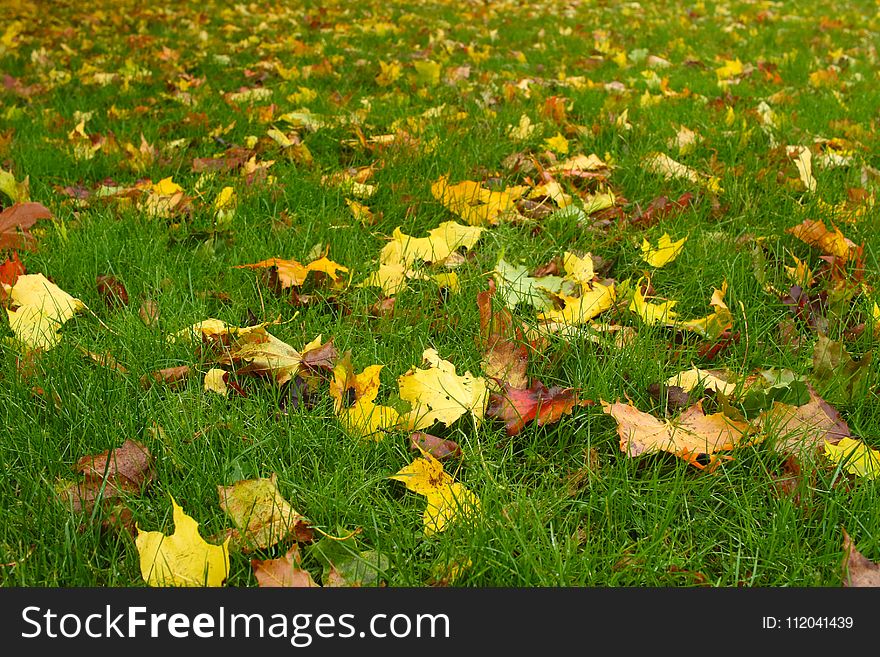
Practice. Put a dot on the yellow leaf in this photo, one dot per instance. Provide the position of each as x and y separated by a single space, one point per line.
365 419
730 69
360 211
183 558
857 458
578 270
697 378
388 73
652 313
665 252
265 353
427 72
18 192
293 274
438 394
261 515
523 130
166 187
440 244
446 498
832 242
42 309
390 277
364 386
215 381
578 310
803 160
557 143
474 203
715 324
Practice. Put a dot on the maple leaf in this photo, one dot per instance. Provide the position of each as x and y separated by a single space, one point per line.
183 558
855 457
716 380
835 370
690 436
803 159
10 270
42 308
107 476
505 352
593 301
577 269
284 572
447 499
477 205
266 354
438 394
858 570
18 192
662 164
15 224
346 565
354 401
519 406
441 242
515 286
665 252
291 273
262 517
832 242
437 447
799 430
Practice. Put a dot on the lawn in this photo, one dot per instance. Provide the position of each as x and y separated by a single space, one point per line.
148 152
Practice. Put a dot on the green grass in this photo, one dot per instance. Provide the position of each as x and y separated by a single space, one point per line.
653 520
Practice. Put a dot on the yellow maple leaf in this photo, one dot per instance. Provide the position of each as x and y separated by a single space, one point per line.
360 211
577 310
441 242
215 381
730 69
716 323
652 313
447 498
184 558
388 73
665 252
166 187
578 270
857 458
427 72
438 394
42 308
261 515
265 353
557 143
476 204
293 274
363 418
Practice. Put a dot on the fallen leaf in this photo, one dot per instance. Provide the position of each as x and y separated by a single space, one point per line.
856 457
215 381
438 394
439 448
109 475
16 222
577 310
262 517
665 252
149 312
291 273
112 291
519 406
802 430
475 204
803 159
183 558
173 376
354 401
284 572
447 499
858 570
515 286
832 242
441 242
42 307
505 351
690 436
346 565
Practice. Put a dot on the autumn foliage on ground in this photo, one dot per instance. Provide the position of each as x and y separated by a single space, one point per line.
439 294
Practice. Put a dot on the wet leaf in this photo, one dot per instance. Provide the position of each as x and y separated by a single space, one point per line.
516 407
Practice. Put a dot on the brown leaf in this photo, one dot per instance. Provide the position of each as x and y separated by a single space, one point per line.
322 357
799 430
104 360
519 406
284 572
149 312
21 217
690 436
661 207
173 376
857 569
112 291
108 475
437 447
506 352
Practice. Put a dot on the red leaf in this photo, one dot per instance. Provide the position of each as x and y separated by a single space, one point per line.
519 406
20 217
437 447
10 270
112 291
506 353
